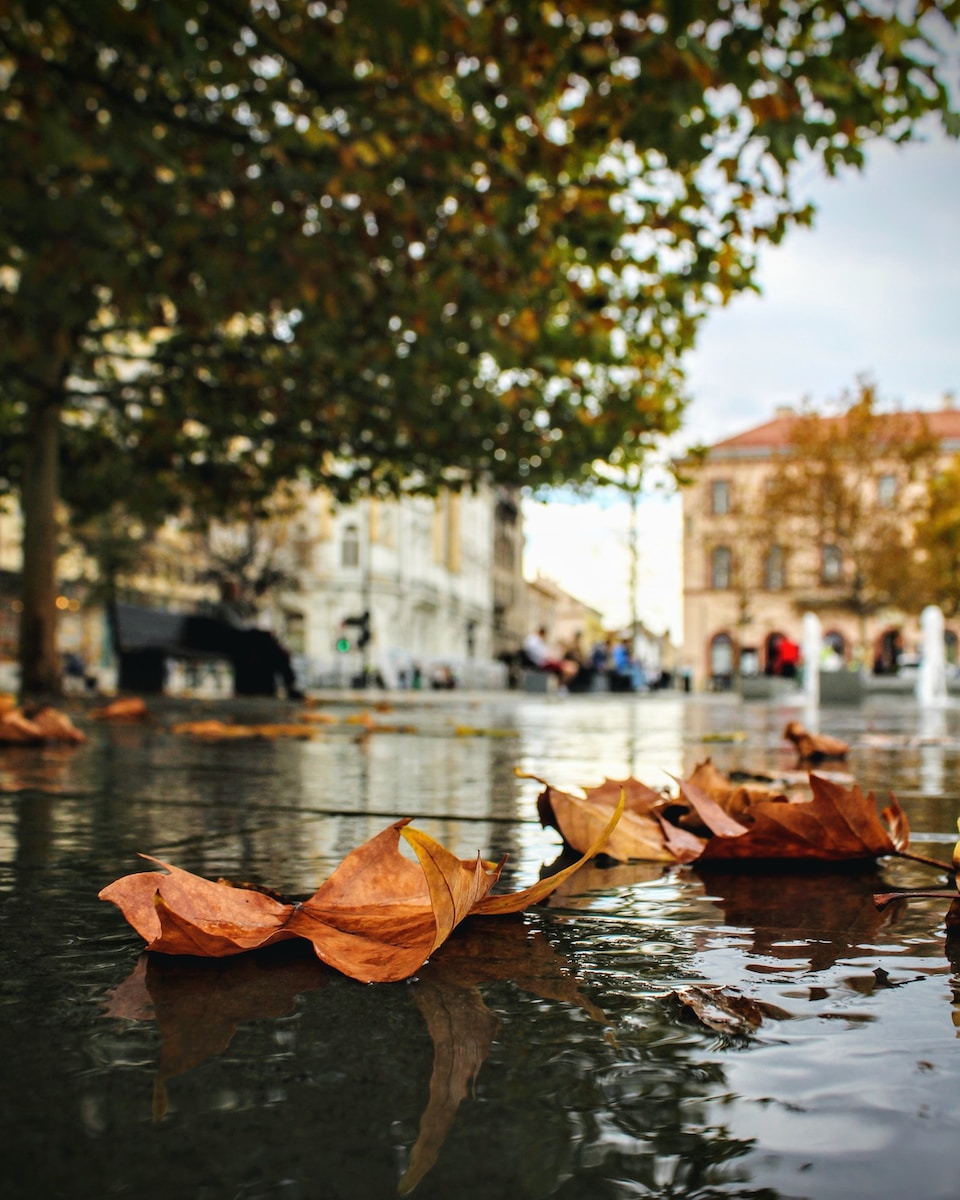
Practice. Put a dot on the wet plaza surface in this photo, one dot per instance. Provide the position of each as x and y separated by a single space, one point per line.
543 1055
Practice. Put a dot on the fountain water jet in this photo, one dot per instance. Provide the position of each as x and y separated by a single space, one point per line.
932 673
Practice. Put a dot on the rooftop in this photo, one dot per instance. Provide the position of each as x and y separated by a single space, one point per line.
943 424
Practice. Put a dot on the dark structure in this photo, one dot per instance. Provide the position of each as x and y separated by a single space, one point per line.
144 638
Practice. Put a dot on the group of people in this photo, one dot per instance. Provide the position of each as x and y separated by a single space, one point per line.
577 669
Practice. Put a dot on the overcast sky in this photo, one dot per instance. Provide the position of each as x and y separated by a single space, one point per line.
873 289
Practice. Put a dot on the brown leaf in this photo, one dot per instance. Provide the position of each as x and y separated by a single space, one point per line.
836 824
319 718
814 747
42 725
724 1009
734 798
127 708
377 918
214 730
579 819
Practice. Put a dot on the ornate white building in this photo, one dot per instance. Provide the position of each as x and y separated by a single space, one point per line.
421 567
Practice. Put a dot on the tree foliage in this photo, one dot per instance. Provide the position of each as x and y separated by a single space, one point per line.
935 569
366 240
854 481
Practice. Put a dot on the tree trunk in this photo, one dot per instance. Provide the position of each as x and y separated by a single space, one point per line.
40 672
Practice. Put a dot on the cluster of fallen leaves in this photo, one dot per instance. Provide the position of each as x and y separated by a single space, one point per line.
382 916
713 818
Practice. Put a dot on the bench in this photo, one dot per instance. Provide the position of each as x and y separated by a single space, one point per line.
145 638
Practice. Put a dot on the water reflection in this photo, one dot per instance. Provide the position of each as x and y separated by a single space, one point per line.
544 1063
199 1004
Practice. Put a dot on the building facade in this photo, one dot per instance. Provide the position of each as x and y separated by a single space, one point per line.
421 568
745 591
427 572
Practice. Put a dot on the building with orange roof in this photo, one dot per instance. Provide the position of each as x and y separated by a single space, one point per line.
745 592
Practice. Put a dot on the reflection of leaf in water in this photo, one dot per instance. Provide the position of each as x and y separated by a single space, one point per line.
199 1003
461 1028
600 875
37 769
460 1024
824 914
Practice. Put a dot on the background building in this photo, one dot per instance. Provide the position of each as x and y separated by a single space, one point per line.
748 583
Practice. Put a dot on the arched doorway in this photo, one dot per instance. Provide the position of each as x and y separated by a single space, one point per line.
834 650
887 650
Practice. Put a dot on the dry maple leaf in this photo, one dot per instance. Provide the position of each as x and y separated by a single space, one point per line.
378 917
836 824
735 799
814 747
638 835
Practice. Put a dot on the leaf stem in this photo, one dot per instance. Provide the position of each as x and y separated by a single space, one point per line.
930 862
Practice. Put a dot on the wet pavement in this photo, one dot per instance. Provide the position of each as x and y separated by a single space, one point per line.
537 1056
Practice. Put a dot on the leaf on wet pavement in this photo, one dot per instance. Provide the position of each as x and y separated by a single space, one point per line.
814 747
725 1009
833 823
579 819
377 918
37 727
222 731
125 708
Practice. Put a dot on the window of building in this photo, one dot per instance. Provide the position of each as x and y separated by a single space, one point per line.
774 569
720 497
887 491
831 564
721 568
350 547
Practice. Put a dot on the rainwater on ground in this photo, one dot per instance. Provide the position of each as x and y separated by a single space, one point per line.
543 1055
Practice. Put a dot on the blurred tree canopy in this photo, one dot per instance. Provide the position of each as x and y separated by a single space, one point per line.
366 241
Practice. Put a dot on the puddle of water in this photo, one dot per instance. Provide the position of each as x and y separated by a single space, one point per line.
538 1056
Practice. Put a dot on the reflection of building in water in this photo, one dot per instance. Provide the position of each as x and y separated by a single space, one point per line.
461 790
747 584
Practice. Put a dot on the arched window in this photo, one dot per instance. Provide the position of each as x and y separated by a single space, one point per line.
831 564
774 569
721 568
350 547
